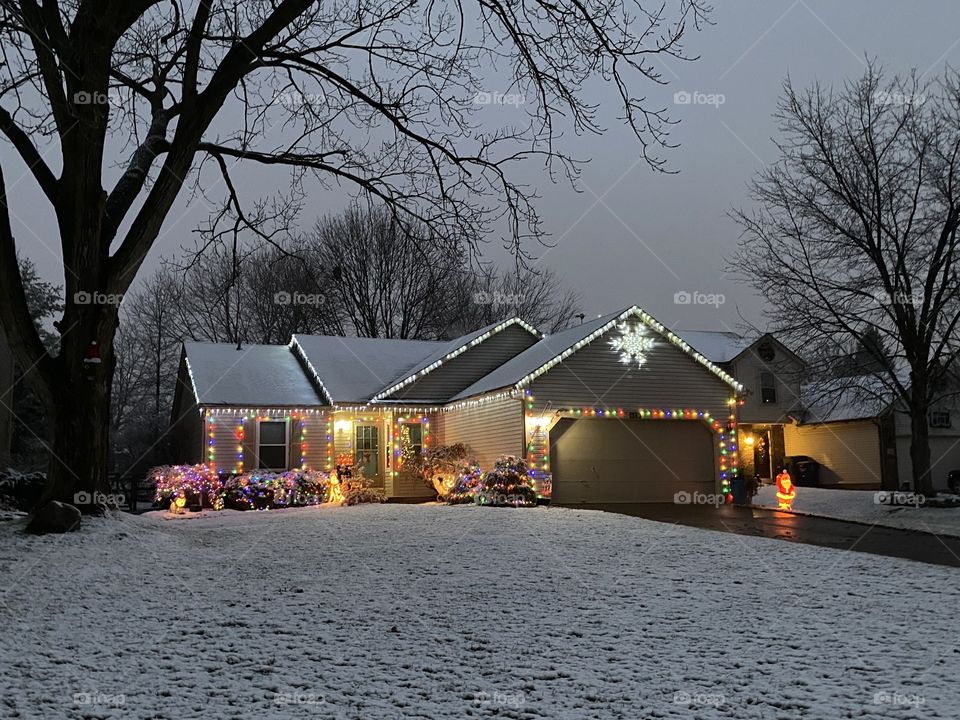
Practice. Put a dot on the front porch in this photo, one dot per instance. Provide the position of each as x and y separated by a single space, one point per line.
376 441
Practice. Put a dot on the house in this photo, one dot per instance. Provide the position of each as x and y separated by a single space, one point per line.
771 376
618 409
854 428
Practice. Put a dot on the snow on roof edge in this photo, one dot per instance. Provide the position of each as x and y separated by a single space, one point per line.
485 334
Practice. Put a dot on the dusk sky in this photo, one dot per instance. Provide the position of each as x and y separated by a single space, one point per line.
632 235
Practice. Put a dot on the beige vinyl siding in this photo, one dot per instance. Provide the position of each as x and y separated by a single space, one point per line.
786 372
491 429
468 367
669 379
316 439
225 442
848 452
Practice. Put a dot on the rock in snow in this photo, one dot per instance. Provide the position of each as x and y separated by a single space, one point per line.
54 517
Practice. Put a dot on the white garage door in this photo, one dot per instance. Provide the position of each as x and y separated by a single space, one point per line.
629 461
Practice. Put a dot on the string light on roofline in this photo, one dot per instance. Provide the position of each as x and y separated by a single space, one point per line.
449 356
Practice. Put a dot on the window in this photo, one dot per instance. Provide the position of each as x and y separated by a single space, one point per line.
366 450
939 419
766 352
272 447
411 440
768 388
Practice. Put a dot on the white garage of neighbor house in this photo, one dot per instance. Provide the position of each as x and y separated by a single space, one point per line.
616 410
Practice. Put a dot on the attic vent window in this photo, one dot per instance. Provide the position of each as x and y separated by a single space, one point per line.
766 352
768 388
940 419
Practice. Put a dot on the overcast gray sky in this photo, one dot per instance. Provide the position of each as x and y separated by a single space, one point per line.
635 236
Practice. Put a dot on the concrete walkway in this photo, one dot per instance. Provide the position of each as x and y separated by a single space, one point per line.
826 532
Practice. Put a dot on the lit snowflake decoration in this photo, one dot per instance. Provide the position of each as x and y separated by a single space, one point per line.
633 343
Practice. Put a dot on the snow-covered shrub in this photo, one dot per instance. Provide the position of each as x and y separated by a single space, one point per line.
507 485
197 485
440 467
257 490
264 490
20 491
358 489
466 484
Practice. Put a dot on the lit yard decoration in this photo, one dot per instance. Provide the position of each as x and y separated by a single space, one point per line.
183 485
199 485
633 343
786 490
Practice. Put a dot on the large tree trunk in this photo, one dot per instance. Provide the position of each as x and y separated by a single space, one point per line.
920 452
80 412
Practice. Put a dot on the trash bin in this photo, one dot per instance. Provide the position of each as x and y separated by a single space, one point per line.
738 488
804 470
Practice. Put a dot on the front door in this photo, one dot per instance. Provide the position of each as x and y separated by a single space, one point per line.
366 450
761 454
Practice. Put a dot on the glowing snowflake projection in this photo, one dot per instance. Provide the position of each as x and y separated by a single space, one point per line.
633 344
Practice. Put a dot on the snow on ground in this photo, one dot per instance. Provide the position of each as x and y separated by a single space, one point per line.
862 506
399 611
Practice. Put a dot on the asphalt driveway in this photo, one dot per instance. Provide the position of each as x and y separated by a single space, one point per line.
826 532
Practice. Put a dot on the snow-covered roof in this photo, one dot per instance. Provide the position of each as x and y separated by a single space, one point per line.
860 397
353 370
451 350
262 375
716 345
553 348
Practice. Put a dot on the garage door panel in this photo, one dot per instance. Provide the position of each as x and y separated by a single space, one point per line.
630 461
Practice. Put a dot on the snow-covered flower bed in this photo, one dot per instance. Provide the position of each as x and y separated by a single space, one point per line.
396 611
867 506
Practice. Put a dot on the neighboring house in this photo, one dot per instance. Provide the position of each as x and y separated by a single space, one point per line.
618 409
770 374
852 427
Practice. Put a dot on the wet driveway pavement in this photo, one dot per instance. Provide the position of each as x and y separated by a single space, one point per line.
826 532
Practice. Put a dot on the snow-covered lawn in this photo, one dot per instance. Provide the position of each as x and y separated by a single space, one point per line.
862 506
394 611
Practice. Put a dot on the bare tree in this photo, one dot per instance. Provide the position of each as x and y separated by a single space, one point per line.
537 296
855 238
377 93
388 279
